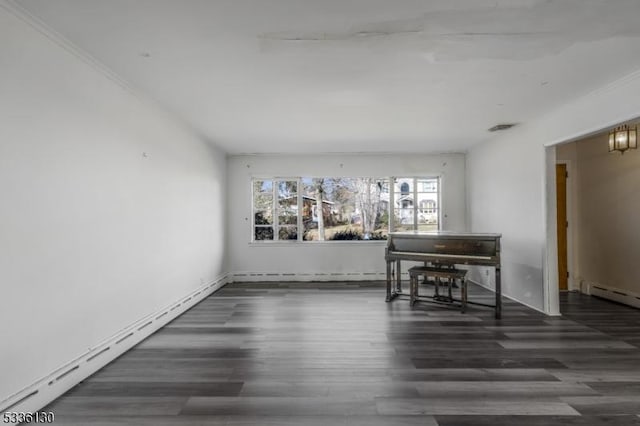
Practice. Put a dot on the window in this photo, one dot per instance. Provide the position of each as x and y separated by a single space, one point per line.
416 204
341 208
263 210
353 209
279 197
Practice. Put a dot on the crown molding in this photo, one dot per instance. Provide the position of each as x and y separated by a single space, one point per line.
14 8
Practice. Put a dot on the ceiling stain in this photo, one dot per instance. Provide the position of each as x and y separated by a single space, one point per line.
492 33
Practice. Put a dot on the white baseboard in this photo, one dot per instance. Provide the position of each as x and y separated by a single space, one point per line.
307 277
37 395
626 297
511 298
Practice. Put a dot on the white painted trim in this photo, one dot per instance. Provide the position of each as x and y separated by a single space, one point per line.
620 85
17 10
626 297
27 17
37 395
551 290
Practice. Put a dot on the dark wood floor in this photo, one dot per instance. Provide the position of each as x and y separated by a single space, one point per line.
337 354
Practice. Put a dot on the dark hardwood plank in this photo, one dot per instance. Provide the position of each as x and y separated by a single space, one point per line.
335 353
155 389
625 420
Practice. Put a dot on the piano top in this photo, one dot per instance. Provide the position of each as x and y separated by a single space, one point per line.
444 234
459 247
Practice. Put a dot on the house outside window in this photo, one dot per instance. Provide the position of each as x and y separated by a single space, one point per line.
416 203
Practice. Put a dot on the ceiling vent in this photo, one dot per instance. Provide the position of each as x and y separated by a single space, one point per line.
499 127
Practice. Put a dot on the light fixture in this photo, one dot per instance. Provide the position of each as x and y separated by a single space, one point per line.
623 138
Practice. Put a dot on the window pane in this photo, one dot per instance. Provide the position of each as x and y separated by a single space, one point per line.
352 208
265 186
416 197
404 203
428 185
262 233
287 188
263 202
288 211
404 219
263 217
427 204
288 233
372 204
315 220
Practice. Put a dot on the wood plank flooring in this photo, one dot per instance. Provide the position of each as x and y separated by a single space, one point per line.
337 354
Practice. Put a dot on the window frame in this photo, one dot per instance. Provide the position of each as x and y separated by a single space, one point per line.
391 209
416 204
274 208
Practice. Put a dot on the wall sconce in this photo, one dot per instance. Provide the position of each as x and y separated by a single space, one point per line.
623 138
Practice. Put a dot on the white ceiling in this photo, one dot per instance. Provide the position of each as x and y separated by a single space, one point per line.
273 76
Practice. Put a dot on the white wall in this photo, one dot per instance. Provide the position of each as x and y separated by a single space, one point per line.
510 192
504 197
607 194
342 258
93 234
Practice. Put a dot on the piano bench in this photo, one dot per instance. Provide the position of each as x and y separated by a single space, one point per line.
450 274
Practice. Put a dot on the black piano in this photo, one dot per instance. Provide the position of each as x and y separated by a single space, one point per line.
443 247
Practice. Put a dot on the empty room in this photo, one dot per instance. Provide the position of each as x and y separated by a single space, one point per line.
319 212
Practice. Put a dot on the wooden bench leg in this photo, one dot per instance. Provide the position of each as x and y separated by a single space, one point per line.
412 290
463 294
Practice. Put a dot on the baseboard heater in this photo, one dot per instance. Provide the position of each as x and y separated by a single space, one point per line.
307 276
611 293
